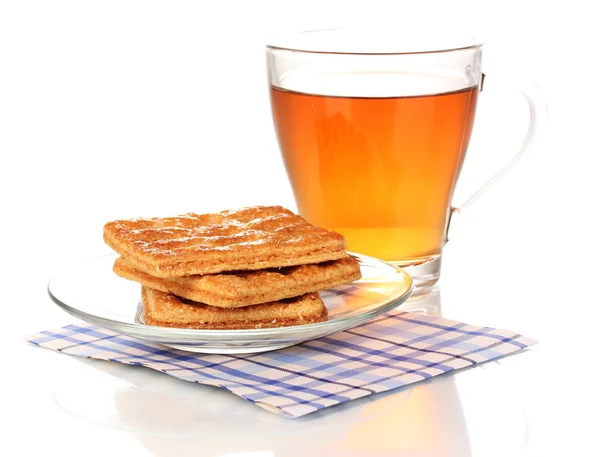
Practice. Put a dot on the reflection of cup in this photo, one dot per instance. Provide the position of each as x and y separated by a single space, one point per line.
430 422
373 129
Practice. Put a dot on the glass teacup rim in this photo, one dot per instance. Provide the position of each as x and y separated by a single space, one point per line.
280 42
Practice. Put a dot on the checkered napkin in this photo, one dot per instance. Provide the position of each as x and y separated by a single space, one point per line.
394 350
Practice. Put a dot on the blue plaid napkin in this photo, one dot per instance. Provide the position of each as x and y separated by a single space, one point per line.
395 350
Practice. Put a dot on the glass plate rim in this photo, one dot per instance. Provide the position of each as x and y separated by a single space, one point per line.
157 333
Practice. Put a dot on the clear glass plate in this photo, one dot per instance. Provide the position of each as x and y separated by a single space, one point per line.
92 292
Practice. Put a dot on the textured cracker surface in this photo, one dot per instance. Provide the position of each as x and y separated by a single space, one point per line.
243 288
248 239
167 310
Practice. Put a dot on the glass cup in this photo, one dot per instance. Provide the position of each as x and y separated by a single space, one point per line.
373 128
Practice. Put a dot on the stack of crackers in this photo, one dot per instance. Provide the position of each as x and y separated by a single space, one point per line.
256 267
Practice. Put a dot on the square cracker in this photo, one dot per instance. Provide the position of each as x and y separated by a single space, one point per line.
244 288
248 239
167 310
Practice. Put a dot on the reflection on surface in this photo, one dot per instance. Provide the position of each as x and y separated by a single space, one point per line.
429 423
172 417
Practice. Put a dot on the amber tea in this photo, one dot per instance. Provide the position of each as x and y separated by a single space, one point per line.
381 171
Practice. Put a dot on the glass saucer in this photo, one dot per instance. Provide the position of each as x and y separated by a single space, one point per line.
92 292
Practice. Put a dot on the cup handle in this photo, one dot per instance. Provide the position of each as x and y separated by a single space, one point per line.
537 114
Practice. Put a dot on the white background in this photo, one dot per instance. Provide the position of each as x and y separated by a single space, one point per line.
112 109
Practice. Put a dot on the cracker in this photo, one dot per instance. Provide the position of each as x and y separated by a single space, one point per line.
244 288
167 310
248 239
